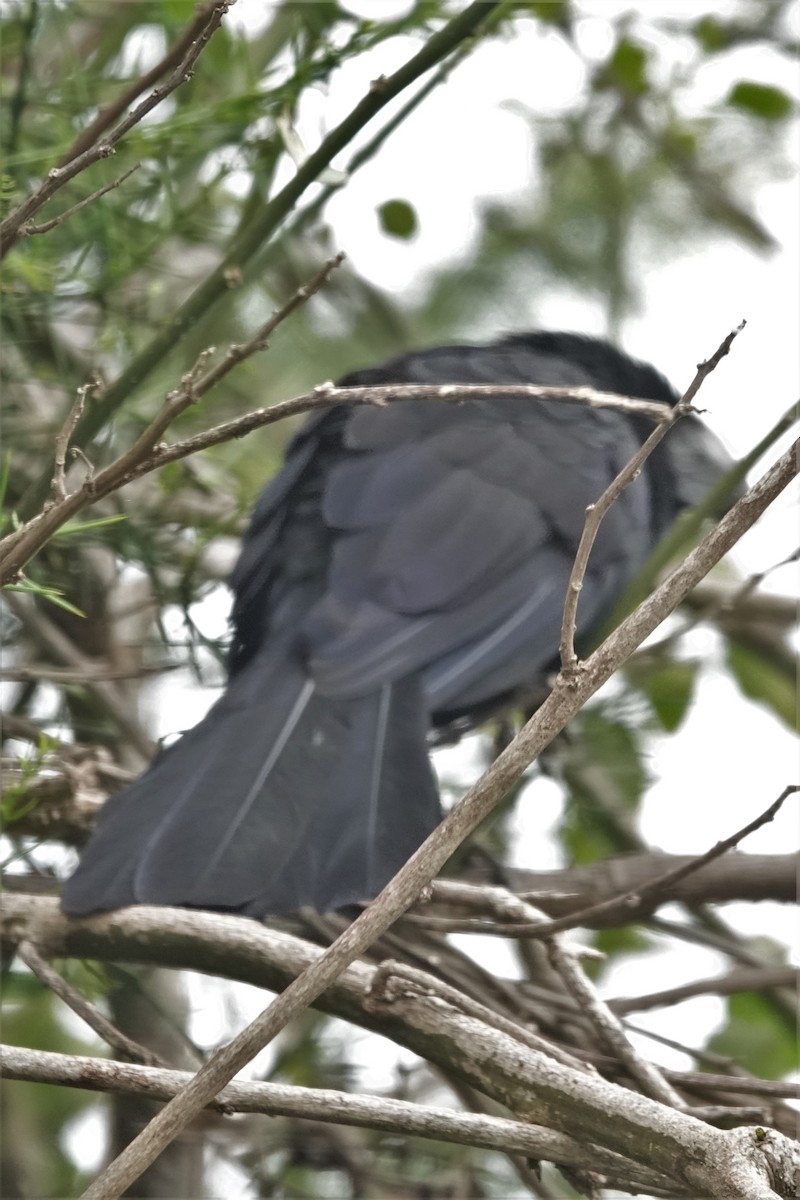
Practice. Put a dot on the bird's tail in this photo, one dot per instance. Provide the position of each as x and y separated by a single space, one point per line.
279 798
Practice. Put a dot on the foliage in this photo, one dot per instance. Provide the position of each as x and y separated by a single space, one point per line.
194 249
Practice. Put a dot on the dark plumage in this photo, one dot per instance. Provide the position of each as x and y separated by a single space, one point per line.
405 568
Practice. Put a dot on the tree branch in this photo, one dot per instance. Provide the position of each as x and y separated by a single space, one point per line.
341 1108
17 548
695 1157
656 887
145 455
747 979
31 230
597 511
83 1008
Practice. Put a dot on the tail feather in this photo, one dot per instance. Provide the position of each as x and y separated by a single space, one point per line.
279 798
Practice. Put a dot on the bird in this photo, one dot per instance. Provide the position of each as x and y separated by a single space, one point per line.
402 575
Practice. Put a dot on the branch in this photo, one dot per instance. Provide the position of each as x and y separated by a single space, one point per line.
563 960
107 114
85 1010
597 511
697 1158
47 634
587 888
145 456
657 887
57 177
341 1108
31 230
567 697
743 980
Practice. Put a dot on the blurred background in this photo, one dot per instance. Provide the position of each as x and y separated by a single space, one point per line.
625 170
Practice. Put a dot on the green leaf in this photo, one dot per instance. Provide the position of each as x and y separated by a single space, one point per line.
626 70
553 12
604 770
713 35
764 680
398 219
761 100
51 594
70 528
669 687
757 1037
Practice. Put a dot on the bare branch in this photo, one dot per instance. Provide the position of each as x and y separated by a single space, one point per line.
563 960
145 456
696 1157
326 395
59 645
19 547
317 1104
392 978
779 1088
658 886
62 438
30 230
242 253
597 511
107 114
85 1010
753 979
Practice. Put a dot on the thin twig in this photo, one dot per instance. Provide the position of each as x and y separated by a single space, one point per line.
30 230
561 705
597 511
65 433
147 455
746 979
635 896
563 959
107 114
101 1025
243 251
780 1089
132 465
53 638
85 675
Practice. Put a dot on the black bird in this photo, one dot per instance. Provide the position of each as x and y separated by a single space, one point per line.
406 569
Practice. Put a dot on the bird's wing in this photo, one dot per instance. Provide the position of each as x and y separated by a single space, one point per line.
454 531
